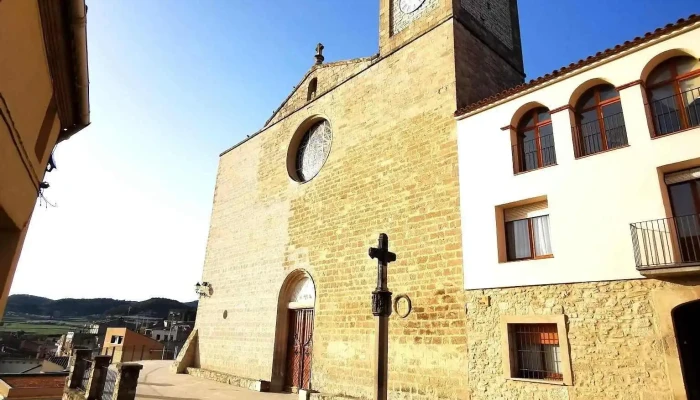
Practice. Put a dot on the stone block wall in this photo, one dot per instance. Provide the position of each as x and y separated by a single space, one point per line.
328 76
621 341
473 58
392 168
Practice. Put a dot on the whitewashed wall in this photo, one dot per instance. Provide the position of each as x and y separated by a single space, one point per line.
592 200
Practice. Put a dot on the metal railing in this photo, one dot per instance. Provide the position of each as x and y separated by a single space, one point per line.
534 153
666 242
137 353
86 375
677 112
599 135
108 388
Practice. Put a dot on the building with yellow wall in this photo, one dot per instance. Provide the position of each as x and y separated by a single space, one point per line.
126 345
43 101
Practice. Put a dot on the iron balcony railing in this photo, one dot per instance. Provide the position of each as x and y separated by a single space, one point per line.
534 153
599 135
666 242
677 112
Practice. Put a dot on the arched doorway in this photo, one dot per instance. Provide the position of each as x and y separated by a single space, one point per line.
686 323
291 369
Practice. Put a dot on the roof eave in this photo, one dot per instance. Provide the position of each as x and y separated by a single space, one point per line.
65 40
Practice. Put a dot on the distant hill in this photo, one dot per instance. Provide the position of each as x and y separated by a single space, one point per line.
155 307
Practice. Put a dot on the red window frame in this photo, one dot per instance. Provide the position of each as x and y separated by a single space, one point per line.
536 126
531 237
598 107
674 80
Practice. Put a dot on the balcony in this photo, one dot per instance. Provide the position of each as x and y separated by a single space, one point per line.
599 135
667 247
676 113
534 153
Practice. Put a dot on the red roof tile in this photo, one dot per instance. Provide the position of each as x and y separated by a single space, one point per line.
581 63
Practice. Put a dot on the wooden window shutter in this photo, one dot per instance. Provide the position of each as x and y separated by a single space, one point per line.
527 211
682 176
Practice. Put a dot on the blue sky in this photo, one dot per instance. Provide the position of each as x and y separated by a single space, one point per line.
173 83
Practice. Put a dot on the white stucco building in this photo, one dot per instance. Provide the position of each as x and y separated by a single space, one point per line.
580 207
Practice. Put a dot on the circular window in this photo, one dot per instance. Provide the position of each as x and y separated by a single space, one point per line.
313 150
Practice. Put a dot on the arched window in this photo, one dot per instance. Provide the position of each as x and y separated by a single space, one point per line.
600 124
311 93
534 146
312 151
673 90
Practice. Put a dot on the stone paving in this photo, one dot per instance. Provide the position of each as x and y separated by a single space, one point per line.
156 382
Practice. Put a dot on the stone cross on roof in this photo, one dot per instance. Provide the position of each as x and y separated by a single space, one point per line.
319 54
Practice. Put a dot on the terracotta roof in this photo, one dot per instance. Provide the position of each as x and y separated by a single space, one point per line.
683 22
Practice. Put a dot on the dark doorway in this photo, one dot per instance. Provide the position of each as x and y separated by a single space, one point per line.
685 202
686 322
301 329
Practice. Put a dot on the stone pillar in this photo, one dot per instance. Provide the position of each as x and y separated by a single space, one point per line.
76 367
98 373
127 379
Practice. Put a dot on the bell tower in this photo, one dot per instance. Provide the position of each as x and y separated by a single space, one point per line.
487 51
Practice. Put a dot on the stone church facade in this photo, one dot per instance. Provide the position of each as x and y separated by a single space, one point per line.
370 145
392 167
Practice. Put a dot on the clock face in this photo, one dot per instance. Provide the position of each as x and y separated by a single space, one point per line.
409 6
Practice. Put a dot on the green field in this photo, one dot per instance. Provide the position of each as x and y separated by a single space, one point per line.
41 326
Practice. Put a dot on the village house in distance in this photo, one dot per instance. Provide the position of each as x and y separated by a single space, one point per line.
547 241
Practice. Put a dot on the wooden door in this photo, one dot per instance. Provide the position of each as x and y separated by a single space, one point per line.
301 328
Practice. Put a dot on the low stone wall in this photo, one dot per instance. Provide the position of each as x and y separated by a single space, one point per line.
326 396
187 355
252 384
73 394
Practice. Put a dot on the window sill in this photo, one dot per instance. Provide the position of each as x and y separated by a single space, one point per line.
655 136
534 169
603 151
544 381
528 259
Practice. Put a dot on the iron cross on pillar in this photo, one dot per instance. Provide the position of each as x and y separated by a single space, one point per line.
381 308
381 297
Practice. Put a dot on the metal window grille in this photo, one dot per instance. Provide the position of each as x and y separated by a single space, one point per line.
537 351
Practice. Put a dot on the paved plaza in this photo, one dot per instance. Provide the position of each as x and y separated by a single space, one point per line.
156 382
